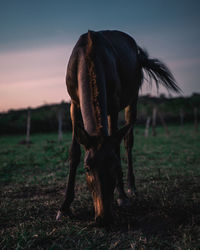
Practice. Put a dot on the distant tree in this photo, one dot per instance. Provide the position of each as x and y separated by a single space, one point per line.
162 96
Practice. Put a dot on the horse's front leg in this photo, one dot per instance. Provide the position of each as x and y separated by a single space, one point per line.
74 159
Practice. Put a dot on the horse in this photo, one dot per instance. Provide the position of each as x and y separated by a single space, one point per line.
104 74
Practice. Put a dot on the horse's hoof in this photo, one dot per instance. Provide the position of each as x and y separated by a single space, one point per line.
65 213
59 215
123 203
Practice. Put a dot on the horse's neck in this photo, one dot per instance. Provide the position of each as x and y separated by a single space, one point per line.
93 109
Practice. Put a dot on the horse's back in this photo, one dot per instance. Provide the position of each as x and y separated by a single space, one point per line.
117 53
122 47
118 40
127 69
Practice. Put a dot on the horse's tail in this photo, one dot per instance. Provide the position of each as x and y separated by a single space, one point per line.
157 71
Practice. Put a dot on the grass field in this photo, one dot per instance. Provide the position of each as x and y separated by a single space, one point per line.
165 215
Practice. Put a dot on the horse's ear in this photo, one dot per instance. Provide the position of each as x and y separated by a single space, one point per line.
82 137
119 135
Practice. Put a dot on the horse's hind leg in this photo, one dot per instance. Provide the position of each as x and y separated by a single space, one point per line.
122 198
74 159
130 117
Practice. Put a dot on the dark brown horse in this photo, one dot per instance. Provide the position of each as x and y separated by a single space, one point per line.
104 74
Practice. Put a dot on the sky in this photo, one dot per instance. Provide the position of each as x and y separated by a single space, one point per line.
37 37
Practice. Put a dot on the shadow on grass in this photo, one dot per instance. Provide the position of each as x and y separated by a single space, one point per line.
147 216
160 213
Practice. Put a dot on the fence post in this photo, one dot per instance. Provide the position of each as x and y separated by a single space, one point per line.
164 124
60 134
195 119
181 116
146 133
28 126
154 121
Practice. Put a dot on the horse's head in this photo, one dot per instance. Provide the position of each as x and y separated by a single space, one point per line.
101 164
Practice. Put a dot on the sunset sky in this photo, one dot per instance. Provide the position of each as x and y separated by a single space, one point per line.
37 37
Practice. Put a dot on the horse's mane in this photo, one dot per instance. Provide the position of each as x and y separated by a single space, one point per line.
90 60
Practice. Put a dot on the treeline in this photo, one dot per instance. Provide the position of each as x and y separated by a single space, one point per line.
173 110
48 118
43 119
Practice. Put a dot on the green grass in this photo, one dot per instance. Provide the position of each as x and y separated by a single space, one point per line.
165 215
